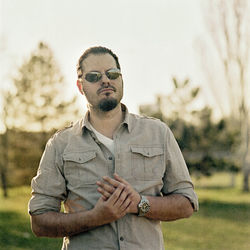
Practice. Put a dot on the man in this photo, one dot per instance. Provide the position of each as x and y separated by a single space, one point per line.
118 174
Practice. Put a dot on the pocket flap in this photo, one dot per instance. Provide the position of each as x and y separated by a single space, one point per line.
79 157
147 151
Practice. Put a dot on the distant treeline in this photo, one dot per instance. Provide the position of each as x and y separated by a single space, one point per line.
24 152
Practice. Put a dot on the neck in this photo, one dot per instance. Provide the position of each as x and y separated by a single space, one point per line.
106 123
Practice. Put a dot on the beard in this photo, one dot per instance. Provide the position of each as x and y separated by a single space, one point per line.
107 104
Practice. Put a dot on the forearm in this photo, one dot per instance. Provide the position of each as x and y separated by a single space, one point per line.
168 208
53 224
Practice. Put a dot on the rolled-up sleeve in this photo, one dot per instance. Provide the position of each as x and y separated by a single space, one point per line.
48 186
177 179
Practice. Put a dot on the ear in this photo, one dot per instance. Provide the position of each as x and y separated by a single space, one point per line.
79 85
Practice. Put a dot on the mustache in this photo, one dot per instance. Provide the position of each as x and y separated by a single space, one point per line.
102 88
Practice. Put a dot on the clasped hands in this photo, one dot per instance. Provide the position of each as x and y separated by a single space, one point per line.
118 198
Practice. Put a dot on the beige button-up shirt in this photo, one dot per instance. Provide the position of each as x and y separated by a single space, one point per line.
146 155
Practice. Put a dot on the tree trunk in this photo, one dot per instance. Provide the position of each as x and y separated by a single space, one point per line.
246 181
246 158
4 163
246 172
4 183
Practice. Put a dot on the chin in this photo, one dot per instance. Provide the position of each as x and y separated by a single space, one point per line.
108 104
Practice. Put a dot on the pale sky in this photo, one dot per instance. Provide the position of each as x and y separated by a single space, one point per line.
154 40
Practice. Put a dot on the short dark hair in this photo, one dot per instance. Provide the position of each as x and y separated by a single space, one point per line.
94 50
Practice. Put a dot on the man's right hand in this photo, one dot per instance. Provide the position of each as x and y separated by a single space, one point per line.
113 208
55 224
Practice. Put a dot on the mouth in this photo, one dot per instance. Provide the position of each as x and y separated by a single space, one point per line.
106 90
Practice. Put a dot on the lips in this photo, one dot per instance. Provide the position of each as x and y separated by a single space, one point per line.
102 90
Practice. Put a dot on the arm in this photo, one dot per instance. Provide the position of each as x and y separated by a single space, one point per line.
167 208
54 224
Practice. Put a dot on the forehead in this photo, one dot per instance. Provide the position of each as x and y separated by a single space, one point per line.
98 62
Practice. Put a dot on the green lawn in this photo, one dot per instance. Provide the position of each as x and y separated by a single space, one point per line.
223 221
15 232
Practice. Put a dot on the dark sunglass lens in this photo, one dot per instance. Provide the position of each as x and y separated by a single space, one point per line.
93 77
113 75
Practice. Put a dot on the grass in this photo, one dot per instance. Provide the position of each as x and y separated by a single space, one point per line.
221 223
15 232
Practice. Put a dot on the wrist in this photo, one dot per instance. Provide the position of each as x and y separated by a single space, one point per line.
136 203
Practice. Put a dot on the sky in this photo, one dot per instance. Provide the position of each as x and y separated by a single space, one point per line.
154 40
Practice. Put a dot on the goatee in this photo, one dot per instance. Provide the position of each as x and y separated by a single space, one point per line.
107 104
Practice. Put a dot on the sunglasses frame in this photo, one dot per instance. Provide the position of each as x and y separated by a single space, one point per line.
99 75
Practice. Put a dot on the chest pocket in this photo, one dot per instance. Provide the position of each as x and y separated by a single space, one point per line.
147 162
82 168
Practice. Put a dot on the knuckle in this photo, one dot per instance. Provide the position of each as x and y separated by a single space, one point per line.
122 185
127 189
115 195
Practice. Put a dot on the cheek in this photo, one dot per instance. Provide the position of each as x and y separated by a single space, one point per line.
89 93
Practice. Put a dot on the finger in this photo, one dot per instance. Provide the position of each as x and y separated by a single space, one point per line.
116 195
122 198
108 188
126 204
120 179
111 181
104 193
125 198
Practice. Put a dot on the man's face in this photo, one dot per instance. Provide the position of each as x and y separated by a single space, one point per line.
104 94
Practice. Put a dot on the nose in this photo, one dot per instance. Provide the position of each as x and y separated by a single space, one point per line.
105 80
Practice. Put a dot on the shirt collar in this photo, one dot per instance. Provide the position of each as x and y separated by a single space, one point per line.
126 121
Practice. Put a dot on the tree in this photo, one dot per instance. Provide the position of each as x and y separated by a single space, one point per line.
177 104
37 100
207 145
39 94
228 23
4 145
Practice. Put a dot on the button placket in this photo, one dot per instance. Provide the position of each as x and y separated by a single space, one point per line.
121 233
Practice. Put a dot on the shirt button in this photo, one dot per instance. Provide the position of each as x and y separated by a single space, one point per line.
121 238
110 158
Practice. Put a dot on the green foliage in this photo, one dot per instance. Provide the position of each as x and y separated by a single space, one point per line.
207 145
36 102
24 155
37 98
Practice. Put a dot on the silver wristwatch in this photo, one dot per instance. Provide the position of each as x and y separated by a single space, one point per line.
143 206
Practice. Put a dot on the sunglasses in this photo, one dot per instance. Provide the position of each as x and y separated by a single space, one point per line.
94 76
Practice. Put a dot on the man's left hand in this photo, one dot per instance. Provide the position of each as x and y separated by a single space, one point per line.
109 186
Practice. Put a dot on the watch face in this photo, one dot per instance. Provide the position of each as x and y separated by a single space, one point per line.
145 207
